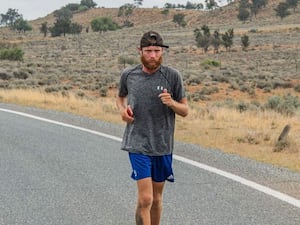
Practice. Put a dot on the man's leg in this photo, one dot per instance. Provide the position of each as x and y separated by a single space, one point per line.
144 201
156 208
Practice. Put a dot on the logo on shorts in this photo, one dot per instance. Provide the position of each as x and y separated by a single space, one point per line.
134 173
171 177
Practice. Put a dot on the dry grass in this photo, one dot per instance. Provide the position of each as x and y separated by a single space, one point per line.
102 108
249 134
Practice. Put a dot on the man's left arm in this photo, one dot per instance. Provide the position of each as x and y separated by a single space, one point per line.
179 107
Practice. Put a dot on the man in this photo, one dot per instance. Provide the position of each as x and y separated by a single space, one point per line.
149 96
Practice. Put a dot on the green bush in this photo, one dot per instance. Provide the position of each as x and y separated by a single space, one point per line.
210 62
286 105
103 24
13 54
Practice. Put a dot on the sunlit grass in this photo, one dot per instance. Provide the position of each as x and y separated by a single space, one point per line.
251 134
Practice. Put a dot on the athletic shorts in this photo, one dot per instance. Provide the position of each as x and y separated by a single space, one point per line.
159 168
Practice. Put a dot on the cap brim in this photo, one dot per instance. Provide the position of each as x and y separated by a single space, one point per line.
164 46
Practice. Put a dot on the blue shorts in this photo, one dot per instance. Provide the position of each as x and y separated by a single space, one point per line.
159 168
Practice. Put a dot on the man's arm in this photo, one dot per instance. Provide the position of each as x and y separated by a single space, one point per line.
125 110
181 108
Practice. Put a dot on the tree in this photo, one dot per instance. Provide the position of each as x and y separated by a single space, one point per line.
179 19
202 37
243 10
103 24
243 14
256 5
190 5
126 11
211 4
165 12
44 28
292 4
73 6
169 6
75 28
62 23
282 10
228 39
10 17
88 3
245 41
3 19
138 3
21 25
216 41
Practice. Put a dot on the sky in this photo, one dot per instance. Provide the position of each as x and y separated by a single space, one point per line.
33 9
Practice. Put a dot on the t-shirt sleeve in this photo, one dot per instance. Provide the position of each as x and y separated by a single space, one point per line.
179 91
123 91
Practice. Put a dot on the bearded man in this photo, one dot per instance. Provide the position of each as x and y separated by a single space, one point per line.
149 97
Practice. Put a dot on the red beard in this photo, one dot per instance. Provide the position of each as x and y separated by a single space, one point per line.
151 64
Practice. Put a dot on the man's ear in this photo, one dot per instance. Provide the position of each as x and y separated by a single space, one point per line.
140 50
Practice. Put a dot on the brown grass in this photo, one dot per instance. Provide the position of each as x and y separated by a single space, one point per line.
249 134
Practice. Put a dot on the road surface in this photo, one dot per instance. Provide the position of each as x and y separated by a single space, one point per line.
60 169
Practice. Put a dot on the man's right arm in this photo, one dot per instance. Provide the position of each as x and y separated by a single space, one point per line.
124 109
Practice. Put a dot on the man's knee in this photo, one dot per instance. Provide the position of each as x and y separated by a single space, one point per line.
157 202
145 201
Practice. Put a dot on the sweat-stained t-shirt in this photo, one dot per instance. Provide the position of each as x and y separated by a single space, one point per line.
152 131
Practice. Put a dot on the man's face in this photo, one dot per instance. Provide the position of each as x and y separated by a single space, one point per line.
151 57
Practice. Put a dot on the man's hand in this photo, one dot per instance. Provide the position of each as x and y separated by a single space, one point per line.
180 108
127 114
166 98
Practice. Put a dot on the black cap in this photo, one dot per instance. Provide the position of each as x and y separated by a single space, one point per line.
152 38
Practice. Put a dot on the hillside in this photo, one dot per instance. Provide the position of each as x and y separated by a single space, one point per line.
270 61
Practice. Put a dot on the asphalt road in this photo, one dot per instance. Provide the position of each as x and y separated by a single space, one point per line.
56 174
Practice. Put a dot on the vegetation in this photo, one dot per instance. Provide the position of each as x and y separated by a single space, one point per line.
103 24
245 41
125 12
204 39
10 17
21 25
179 19
13 54
10 52
44 28
282 10
189 5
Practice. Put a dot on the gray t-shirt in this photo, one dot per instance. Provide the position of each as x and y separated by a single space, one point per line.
152 131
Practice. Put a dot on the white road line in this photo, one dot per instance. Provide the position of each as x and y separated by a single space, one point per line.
276 194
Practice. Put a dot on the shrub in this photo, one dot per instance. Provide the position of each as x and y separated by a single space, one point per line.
211 62
4 75
286 105
297 88
103 91
13 54
253 30
20 75
72 6
242 106
103 24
